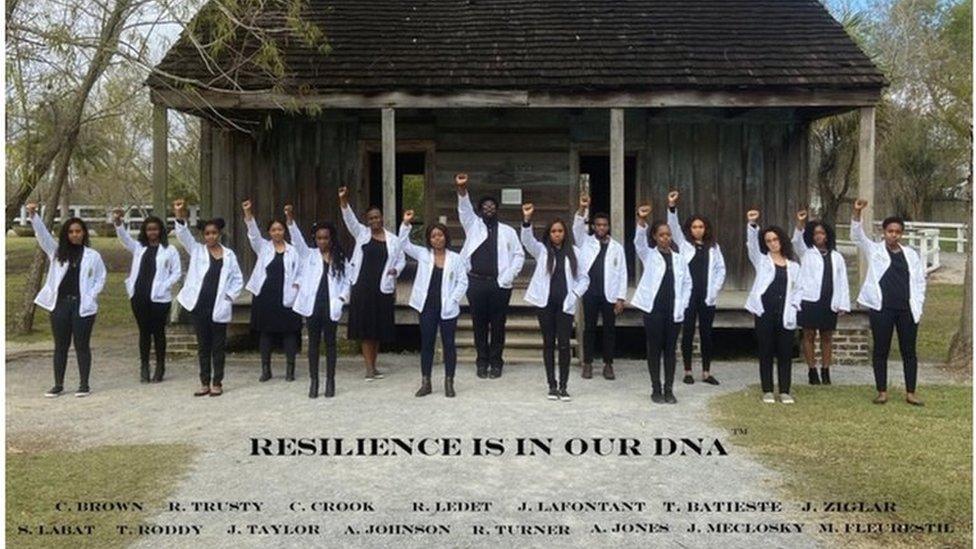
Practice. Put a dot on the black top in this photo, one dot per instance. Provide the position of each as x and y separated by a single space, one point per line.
70 283
374 259
433 302
699 272
322 294
598 272
208 288
664 300
557 280
147 270
827 282
484 260
774 298
894 283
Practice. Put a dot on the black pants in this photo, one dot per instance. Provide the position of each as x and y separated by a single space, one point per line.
489 310
430 321
775 343
289 342
705 316
883 323
211 347
661 334
67 325
151 319
595 307
321 328
557 328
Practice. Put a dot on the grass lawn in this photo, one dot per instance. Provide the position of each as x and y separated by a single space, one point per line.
36 481
940 320
835 445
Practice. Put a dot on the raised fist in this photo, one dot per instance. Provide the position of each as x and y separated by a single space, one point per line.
752 216
584 202
461 179
408 217
178 206
343 192
289 211
527 210
673 198
801 216
860 204
31 208
246 205
644 211
117 214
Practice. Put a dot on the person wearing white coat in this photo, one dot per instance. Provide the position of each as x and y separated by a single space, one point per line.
213 281
272 283
662 295
377 261
826 294
894 294
607 293
439 286
75 277
155 269
322 290
696 242
559 280
774 300
494 257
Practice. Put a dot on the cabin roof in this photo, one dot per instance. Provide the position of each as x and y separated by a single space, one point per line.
557 46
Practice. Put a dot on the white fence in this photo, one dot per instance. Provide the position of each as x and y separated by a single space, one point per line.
133 216
926 237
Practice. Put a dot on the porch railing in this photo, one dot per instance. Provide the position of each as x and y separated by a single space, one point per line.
133 217
925 237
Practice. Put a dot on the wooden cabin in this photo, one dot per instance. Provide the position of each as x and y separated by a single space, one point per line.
713 98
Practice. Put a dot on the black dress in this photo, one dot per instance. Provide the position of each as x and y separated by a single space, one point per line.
818 315
267 312
370 310
208 289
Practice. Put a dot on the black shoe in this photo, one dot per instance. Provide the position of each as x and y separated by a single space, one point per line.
553 394
657 397
495 373
688 379
710 380
813 377
564 396
313 389
158 374
669 398
290 372
329 388
425 388
482 372
449 387
265 374
144 373
54 392
825 376
82 391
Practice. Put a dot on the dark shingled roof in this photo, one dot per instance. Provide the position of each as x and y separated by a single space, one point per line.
561 45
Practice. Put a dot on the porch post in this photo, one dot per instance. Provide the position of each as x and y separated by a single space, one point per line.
865 171
389 170
160 164
617 173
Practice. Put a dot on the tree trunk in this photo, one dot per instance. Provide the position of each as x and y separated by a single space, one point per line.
961 347
107 44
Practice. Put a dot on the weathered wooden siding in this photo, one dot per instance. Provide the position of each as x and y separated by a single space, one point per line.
722 163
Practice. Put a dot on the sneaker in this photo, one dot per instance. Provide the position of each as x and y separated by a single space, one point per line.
688 379
785 398
553 394
82 392
768 398
564 396
825 376
710 380
812 376
54 392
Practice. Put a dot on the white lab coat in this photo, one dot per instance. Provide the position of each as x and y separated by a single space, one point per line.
168 268
811 274
654 268
878 263
510 254
310 271
229 286
91 273
454 281
362 235
615 261
265 251
716 261
765 273
538 291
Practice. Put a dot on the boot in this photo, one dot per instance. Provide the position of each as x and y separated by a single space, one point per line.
825 376
158 373
144 372
265 372
424 389
608 371
587 371
290 371
330 380
812 376
449 387
313 388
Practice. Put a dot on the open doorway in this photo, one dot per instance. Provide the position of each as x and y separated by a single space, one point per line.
598 166
410 184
